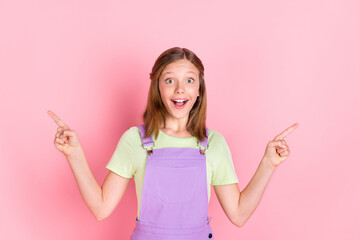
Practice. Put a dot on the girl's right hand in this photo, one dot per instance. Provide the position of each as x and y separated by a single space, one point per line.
66 140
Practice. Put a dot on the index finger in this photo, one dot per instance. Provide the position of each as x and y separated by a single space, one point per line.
57 120
286 132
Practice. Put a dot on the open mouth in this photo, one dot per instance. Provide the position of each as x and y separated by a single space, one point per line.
179 103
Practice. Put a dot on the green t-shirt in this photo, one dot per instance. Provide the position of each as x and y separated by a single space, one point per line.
129 158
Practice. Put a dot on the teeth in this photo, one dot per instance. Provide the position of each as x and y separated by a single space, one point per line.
179 100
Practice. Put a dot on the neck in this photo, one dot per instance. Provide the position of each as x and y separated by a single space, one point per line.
175 125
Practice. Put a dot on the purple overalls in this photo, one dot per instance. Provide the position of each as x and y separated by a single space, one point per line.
174 202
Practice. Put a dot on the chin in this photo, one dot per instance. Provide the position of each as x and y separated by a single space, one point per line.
177 116
175 113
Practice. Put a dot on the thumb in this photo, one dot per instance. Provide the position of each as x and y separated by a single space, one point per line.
69 133
72 138
277 144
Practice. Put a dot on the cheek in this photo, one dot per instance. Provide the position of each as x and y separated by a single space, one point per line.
194 91
164 93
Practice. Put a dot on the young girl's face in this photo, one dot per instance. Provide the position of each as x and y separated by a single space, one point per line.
179 88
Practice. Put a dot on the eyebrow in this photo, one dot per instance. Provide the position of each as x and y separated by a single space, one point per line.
172 72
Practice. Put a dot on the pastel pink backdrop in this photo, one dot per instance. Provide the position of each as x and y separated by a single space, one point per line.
268 65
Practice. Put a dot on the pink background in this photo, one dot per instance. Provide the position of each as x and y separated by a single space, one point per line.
268 65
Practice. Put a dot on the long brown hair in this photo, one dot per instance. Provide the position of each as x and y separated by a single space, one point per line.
155 111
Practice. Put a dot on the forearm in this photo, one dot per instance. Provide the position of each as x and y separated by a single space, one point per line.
251 195
89 188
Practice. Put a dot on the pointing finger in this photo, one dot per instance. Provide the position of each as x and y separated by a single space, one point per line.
286 132
57 120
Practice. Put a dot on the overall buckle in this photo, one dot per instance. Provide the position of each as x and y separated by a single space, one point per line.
150 151
202 149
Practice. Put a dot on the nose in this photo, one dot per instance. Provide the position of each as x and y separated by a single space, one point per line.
179 88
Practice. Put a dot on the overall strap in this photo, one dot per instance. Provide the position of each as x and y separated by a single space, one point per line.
147 142
203 145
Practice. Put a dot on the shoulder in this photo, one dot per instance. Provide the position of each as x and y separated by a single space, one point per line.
215 137
217 142
131 132
131 136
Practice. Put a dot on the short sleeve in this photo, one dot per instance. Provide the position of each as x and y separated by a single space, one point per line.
121 161
223 167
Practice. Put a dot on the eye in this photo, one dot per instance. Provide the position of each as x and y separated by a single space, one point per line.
169 81
191 80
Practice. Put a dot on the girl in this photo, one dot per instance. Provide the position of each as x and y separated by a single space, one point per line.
174 158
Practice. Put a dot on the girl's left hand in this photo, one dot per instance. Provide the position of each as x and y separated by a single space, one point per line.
277 150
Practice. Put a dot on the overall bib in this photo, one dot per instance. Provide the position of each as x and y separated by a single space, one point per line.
174 202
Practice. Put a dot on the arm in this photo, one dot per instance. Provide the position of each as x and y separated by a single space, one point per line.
100 200
239 206
250 197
